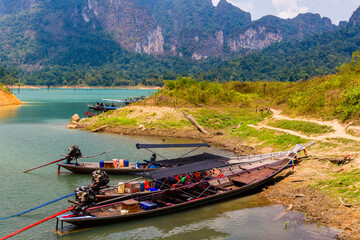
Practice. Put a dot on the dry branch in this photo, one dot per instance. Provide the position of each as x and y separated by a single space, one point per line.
193 121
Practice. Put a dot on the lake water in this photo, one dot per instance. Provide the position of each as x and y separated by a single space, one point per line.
36 133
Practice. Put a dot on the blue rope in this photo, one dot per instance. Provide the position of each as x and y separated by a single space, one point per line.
55 200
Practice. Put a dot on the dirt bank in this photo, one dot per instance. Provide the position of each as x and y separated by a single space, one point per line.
154 121
297 188
7 99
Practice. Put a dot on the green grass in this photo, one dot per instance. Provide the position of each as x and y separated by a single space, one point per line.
235 121
344 184
114 121
170 123
227 118
308 128
267 137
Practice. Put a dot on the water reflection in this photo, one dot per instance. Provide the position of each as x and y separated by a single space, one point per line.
241 218
9 111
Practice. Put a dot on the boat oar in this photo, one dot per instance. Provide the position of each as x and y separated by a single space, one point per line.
40 206
44 165
37 223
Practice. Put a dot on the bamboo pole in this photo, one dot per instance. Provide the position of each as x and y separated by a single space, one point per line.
37 223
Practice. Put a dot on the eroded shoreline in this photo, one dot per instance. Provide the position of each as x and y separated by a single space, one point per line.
294 189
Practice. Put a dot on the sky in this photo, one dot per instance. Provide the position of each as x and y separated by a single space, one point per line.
336 10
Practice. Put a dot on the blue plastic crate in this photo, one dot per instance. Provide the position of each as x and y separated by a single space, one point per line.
147 205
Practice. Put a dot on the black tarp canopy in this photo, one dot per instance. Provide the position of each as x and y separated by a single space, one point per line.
191 159
139 145
188 168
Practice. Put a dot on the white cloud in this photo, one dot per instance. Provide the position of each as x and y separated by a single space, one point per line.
288 8
246 5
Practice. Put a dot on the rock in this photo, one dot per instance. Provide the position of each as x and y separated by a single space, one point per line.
72 126
142 127
99 128
74 119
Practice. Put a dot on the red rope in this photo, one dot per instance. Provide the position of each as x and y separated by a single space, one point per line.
37 223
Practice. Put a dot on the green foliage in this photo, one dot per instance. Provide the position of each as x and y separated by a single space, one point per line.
187 90
292 61
8 76
305 127
334 96
331 97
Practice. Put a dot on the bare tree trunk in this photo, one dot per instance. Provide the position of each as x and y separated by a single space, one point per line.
193 121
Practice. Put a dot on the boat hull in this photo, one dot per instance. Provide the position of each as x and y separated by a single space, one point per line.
93 220
86 168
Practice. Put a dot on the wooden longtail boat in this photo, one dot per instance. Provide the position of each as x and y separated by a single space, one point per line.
86 168
180 198
110 168
238 164
110 193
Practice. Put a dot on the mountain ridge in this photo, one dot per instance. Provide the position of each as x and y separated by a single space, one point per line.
188 28
145 41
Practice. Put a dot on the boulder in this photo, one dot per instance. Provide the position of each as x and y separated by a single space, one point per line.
75 118
142 127
72 126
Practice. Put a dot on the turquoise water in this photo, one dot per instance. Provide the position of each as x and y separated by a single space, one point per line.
35 133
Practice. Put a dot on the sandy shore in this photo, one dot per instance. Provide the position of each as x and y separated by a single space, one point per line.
297 189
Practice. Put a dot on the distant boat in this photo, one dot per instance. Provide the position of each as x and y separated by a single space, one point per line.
110 104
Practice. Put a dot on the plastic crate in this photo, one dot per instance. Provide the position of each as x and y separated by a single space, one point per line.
147 205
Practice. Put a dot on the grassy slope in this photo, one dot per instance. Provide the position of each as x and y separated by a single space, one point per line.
230 107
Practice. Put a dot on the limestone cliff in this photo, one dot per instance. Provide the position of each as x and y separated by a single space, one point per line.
254 38
133 27
194 29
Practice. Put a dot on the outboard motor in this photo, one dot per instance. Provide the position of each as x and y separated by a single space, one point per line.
100 179
73 153
85 197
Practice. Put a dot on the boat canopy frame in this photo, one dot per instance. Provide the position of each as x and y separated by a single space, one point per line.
184 169
181 145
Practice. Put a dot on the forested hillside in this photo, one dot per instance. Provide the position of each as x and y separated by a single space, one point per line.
116 43
292 61
335 96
